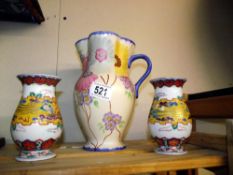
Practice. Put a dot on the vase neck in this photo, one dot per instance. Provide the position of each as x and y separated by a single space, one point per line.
38 90
168 92
38 84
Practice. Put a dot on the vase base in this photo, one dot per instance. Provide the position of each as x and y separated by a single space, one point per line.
28 156
103 149
170 151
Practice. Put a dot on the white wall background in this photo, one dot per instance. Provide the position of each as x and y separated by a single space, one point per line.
191 39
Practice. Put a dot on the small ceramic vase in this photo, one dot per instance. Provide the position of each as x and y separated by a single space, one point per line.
169 120
37 121
104 94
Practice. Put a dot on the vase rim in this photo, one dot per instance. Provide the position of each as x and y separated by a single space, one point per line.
39 79
167 78
38 75
168 82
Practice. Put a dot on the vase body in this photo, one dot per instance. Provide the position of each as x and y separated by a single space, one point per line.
169 120
37 122
104 94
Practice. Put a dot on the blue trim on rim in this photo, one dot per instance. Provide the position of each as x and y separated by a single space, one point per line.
103 149
146 74
102 33
127 39
80 40
105 32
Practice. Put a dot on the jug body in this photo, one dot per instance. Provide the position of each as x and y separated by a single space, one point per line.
37 122
169 120
104 94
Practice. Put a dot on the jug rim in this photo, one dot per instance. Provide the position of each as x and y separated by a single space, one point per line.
80 40
127 39
103 32
111 33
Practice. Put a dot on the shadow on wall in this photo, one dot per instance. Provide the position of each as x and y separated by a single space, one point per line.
71 132
18 28
215 33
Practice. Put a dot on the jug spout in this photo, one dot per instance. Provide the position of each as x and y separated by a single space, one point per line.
82 49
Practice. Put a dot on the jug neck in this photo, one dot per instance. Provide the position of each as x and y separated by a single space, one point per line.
106 52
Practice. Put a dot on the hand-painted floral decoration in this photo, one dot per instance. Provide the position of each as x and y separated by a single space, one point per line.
127 83
85 98
85 81
101 55
111 120
85 64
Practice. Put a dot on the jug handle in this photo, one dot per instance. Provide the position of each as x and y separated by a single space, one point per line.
146 74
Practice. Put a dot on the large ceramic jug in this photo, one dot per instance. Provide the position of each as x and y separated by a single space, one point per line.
169 120
104 94
37 121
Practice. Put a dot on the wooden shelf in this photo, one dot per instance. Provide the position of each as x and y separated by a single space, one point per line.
139 157
219 107
216 104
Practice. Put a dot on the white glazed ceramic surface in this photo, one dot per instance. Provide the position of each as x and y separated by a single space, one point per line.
167 131
104 94
37 122
29 156
169 121
36 131
169 93
104 121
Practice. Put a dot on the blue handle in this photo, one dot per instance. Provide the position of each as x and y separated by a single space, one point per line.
145 75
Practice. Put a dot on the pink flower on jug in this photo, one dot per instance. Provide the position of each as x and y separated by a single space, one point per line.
101 54
127 83
111 121
85 81
85 64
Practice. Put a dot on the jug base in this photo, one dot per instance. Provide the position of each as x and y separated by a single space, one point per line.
28 156
103 149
